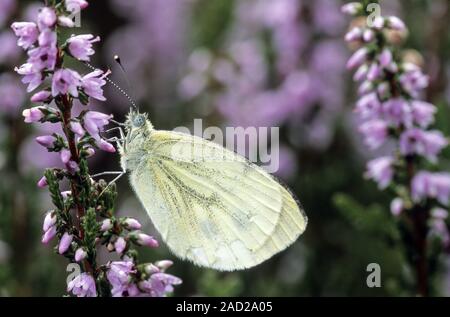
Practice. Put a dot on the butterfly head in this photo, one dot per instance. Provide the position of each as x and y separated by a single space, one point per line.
137 120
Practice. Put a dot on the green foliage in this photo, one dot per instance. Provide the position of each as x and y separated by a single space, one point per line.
220 285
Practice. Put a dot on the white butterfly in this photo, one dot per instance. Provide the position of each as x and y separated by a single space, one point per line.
210 205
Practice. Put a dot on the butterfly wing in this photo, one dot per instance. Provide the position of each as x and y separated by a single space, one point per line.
212 206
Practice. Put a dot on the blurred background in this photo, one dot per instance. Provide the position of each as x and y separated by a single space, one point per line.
263 63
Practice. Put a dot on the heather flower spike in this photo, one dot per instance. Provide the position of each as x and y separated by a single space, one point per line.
92 224
391 111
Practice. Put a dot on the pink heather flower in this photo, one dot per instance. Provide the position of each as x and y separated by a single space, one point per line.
381 171
413 81
425 143
77 128
80 46
72 167
46 140
49 220
46 18
32 75
361 73
27 32
80 255
439 229
369 106
66 22
354 34
358 58
375 133
65 243
374 72
378 22
43 57
351 8
49 235
146 240
65 156
383 89
66 194
82 286
439 213
397 111
159 284
423 113
120 245
76 4
431 185
105 146
385 57
106 225
42 182
41 96
32 115
395 23
119 276
66 81
151 269
366 87
132 224
164 264
397 206
368 35
95 122
92 84
48 38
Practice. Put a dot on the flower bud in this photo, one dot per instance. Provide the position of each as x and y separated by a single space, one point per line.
32 115
49 220
46 18
77 128
41 96
80 255
65 156
164 264
151 269
352 8
65 243
397 206
132 224
146 240
105 146
106 225
49 235
42 182
46 140
120 245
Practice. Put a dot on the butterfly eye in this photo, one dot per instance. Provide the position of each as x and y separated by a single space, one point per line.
138 121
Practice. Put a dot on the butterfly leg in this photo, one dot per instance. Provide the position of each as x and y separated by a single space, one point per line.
115 139
118 123
108 173
113 182
114 129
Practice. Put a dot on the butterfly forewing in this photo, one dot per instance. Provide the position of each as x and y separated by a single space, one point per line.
211 205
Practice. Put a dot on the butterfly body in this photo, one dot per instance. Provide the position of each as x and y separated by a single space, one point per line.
210 205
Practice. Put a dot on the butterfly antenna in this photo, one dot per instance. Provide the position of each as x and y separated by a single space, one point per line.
117 87
125 75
